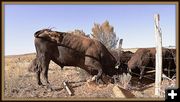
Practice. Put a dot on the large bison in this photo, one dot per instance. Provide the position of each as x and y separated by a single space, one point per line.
144 59
122 58
66 49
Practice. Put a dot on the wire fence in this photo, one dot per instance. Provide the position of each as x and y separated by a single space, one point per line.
142 76
169 70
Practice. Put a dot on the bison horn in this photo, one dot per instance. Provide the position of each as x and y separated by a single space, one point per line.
117 66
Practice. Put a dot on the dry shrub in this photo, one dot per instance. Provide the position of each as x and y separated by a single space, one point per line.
125 79
105 34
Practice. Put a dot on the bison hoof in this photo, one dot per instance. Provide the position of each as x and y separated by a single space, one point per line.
49 88
94 78
100 81
40 84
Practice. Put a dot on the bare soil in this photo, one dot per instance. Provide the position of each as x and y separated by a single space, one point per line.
19 83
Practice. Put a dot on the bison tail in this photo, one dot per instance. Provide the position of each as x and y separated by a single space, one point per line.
129 70
33 67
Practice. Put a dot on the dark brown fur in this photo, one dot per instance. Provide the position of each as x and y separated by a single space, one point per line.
123 58
145 57
70 50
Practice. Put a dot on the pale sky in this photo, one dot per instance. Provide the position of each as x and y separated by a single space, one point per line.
133 23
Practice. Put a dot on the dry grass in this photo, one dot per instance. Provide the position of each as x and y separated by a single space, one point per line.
19 83
130 49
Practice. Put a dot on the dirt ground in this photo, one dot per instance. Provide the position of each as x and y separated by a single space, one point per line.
19 83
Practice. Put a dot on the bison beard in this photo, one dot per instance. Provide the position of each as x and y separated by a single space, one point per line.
70 50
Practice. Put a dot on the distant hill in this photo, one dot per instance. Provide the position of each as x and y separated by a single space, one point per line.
28 54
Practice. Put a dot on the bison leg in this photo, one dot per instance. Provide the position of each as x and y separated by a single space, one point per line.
34 67
38 70
98 77
141 73
38 78
94 65
45 66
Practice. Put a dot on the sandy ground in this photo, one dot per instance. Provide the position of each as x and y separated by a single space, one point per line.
19 83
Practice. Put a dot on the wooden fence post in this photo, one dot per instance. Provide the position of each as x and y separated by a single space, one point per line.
158 37
120 46
119 50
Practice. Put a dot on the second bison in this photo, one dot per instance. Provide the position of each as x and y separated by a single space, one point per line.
144 60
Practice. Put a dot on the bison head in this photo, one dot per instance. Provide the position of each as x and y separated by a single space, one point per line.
50 35
140 58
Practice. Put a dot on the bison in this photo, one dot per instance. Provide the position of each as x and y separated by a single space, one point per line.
145 57
122 58
66 49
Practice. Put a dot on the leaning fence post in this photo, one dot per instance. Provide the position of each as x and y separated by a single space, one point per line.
158 37
120 48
